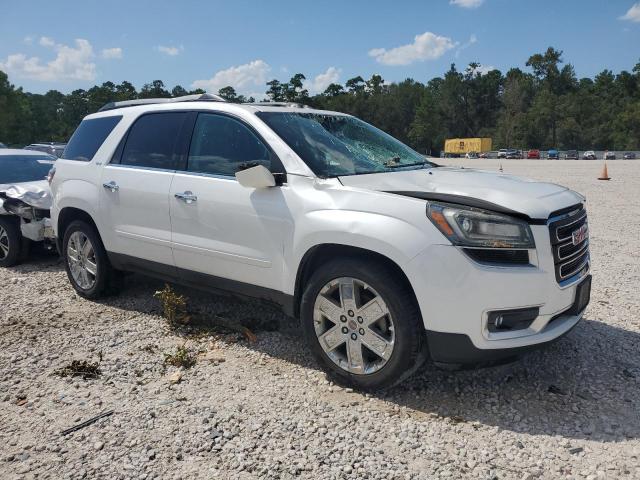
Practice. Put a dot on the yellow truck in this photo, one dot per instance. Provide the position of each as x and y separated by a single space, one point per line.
455 147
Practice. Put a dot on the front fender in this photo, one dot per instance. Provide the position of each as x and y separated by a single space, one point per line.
391 237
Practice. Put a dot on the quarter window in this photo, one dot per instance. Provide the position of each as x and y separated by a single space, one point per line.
222 145
153 141
89 137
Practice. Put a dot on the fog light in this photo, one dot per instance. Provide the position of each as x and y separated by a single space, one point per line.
509 320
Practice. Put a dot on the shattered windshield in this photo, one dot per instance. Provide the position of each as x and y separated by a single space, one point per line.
24 168
333 145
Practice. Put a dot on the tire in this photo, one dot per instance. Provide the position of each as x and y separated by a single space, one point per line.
99 278
12 243
409 349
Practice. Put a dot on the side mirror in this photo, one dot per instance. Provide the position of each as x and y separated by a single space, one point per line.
256 177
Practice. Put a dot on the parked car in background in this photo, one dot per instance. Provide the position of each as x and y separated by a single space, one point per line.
609 155
332 219
553 154
2 145
471 155
629 156
52 148
25 200
512 154
589 155
571 155
483 155
535 154
502 153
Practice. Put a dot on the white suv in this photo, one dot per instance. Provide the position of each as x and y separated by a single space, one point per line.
385 257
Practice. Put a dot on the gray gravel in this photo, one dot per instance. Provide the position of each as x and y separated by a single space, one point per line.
263 410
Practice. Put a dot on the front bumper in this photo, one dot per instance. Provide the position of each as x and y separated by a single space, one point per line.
456 295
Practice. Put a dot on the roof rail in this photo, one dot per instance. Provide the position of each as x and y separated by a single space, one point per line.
198 97
278 104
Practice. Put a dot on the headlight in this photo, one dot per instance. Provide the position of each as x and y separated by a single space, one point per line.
473 227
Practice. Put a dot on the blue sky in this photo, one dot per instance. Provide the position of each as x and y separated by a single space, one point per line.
77 44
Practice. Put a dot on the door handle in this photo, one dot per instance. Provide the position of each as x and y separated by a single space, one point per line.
113 186
186 197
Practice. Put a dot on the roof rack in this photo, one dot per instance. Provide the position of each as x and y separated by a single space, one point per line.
199 97
278 104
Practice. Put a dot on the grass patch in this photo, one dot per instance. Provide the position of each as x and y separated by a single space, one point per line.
81 368
183 357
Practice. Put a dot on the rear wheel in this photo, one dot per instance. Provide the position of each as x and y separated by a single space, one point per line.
12 244
362 323
86 261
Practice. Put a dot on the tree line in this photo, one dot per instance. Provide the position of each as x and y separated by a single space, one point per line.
545 107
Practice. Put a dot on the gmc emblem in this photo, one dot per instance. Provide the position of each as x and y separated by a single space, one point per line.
581 234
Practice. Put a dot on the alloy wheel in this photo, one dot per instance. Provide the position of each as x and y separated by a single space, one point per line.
4 243
82 260
354 326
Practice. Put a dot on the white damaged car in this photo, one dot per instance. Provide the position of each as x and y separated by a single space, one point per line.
25 200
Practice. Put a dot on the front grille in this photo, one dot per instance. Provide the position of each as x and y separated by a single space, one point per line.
569 258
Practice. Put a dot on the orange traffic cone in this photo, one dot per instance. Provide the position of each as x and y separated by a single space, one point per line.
605 174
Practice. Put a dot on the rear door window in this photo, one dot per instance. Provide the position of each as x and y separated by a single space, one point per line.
154 141
89 137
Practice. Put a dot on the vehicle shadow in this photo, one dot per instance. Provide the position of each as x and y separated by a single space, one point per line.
593 373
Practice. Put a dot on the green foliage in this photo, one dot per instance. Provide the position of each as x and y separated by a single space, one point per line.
549 107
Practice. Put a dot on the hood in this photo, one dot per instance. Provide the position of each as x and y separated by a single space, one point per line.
533 199
35 194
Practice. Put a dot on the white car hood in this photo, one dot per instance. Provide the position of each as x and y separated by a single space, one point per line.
35 194
534 199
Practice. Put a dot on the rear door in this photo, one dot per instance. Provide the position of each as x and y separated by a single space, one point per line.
135 191
221 229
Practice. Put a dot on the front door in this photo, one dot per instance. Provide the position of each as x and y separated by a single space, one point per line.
230 234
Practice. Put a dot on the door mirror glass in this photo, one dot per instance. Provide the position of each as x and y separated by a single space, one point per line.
256 177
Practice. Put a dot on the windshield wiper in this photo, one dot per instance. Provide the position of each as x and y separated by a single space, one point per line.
402 165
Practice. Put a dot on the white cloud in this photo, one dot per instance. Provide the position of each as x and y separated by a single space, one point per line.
467 3
427 46
171 51
482 69
241 78
70 63
28 40
112 53
47 42
633 14
472 39
320 82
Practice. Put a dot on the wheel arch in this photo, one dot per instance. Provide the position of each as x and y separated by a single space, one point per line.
317 254
68 215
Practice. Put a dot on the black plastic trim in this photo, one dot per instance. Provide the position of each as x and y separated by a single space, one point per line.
201 281
457 350
468 202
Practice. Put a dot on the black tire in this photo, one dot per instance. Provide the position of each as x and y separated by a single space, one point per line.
13 249
410 349
107 279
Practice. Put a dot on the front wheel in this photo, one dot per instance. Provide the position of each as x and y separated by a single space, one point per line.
362 324
13 246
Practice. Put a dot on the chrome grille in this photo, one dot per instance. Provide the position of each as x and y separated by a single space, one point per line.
570 250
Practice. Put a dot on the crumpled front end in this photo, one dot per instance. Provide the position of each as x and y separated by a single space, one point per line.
30 201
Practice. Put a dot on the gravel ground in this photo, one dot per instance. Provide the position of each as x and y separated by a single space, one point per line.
263 410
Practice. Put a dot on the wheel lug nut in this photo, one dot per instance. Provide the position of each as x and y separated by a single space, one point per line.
361 331
350 312
354 336
345 330
360 320
343 318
